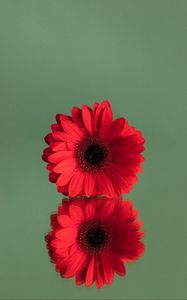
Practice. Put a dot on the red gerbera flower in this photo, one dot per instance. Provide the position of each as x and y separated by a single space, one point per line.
91 238
92 154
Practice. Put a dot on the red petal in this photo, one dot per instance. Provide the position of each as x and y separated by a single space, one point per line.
54 222
62 251
57 243
76 213
98 273
68 137
87 118
118 265
97 117
59 156
64 178
106 120
58 146
53 177
89 184
66 235
107 267
129 251
105 103
89 212
93 116
116 128
90 272
49 167
76 184
81 275
105 184
65 221
107 209
48 138
77 117
64 208
46 154
58 116
63 189
120 176
117 183
65 166
57 135
71 128
74 262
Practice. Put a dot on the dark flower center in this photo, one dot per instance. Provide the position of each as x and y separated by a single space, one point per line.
95 237
94 154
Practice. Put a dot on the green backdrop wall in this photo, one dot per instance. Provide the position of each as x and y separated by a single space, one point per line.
56 54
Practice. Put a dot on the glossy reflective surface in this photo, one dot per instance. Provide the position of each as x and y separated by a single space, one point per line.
58 54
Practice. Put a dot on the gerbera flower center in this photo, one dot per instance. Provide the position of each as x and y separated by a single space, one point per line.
93 237
94 154
91 154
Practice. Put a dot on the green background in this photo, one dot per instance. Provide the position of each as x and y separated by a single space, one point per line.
57 54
